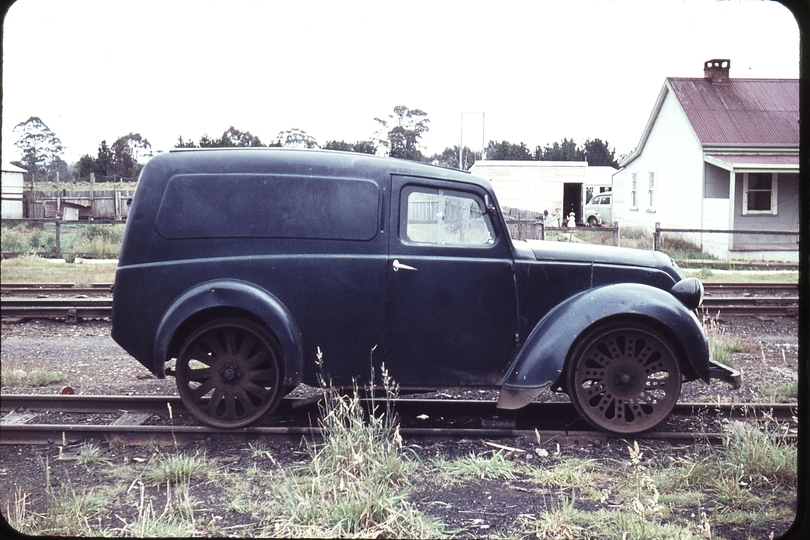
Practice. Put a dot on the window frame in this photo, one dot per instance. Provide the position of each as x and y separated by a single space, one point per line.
772 211
442 192
634 190
651 190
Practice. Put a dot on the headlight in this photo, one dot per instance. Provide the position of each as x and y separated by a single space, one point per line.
689 291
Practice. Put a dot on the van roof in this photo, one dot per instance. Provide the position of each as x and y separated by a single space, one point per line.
334 158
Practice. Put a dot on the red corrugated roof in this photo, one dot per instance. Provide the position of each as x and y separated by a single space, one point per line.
743 112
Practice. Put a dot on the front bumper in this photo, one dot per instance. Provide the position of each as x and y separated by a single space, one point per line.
724 373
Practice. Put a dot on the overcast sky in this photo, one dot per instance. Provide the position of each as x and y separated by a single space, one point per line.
539 70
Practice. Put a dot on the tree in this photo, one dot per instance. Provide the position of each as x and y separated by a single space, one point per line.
449 158
402 140
234 137
139 147
39 146
506 151
231 138
567 150
598 153
85 166
185 144
359 147
126 153
104 160
296 138
123 161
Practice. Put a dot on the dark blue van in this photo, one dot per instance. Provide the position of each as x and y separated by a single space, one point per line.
238 264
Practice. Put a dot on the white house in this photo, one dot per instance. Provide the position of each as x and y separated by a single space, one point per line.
544 185
12 191
721 154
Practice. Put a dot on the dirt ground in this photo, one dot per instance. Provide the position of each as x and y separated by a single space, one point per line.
94 364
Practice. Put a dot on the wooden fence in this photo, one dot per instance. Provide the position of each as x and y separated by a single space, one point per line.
76 205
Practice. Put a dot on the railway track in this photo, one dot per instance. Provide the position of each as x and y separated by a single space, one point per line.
56 419
60 301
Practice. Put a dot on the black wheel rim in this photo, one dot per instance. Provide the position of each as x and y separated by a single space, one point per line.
625 380
229 373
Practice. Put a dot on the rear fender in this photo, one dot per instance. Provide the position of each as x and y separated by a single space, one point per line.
237 295
542 359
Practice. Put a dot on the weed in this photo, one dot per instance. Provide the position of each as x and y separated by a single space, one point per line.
474 465
176 469
89 454
12 375
355 482
758 457
568 473
787 392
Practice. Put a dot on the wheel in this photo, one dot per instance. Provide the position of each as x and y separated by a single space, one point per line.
230 372
624 378
593 222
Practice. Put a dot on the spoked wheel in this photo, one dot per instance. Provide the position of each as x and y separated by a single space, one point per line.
229 372
624 378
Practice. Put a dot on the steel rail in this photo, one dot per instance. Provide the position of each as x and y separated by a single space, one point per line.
19 430
712 288
73 434
54 291
160 404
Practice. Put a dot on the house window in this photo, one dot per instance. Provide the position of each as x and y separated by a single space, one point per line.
651 191
759 193
634 191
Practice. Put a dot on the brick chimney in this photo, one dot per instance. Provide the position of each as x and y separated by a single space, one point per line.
716 70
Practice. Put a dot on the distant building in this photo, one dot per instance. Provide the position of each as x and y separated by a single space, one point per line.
718 153
12 191
544 185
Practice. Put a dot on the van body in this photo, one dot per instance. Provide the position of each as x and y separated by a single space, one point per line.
238 266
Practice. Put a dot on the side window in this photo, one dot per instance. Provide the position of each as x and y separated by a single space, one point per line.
605 200
759 193
443 217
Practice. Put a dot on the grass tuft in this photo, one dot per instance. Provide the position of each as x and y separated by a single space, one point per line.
355 483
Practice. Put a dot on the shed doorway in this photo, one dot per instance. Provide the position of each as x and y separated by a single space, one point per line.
572 200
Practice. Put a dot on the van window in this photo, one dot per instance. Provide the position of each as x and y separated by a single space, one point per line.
268 206
445 217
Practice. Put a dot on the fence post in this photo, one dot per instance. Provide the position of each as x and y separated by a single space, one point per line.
92 184
116 209
542 230
58 235
657 237
616 236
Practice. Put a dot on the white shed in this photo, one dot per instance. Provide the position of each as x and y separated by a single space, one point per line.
12 191
544 185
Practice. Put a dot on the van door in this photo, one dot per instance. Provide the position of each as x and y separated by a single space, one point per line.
451 310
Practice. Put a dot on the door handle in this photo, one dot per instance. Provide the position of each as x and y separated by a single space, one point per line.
399 266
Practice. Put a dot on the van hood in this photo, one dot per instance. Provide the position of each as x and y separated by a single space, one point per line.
591 253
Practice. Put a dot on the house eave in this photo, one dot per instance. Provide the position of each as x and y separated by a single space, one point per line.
659 102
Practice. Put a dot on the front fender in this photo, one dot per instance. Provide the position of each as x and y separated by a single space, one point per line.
541 360
238 295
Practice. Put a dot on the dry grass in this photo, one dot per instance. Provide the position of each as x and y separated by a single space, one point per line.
31 269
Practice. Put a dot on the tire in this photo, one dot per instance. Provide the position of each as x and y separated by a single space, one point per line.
624 377
230 372
593 222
